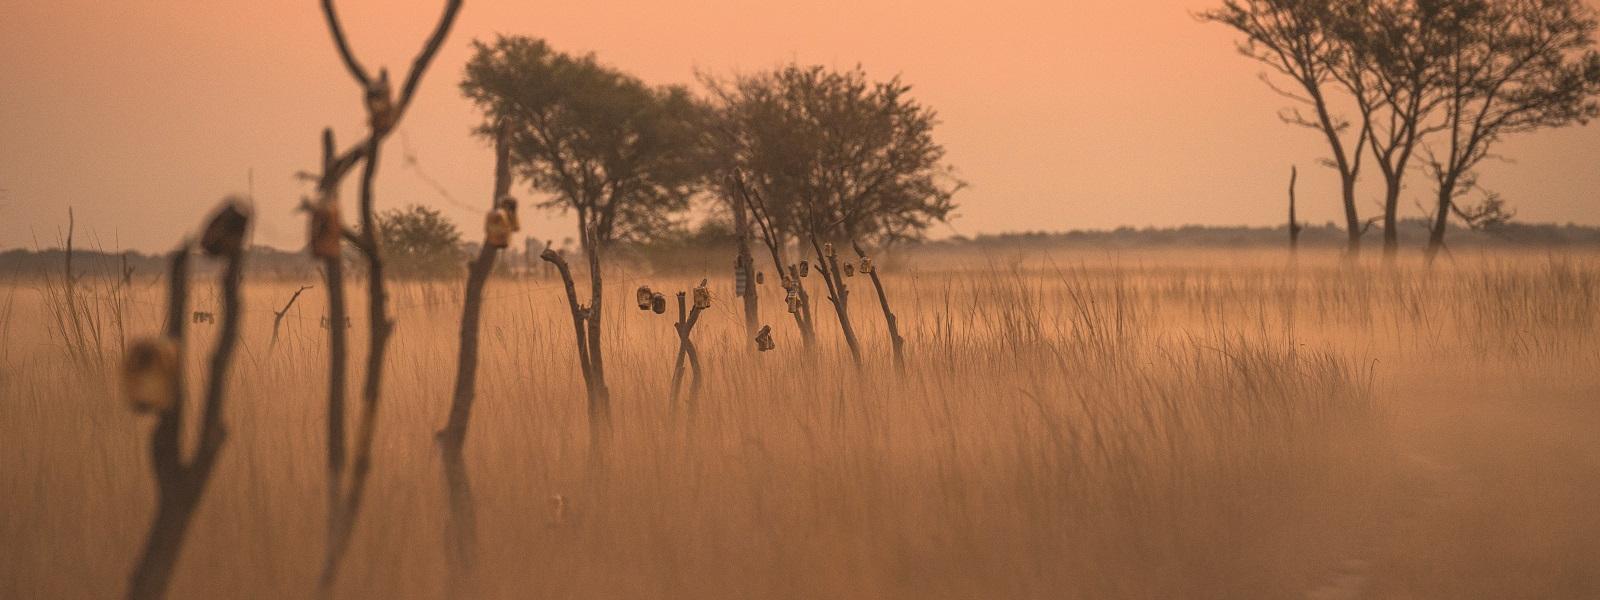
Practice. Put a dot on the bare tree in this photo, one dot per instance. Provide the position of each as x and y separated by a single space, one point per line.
500 223
1389 56
685 328
1512 66
799 302
153 378
1294 39
1294 222
838 292
586 329
897 343
384 112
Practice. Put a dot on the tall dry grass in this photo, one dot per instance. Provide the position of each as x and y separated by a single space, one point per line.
1214 425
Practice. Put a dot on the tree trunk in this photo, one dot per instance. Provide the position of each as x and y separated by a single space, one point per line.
746 265
1353 225
1391 209
1294 222
839 296
1447 193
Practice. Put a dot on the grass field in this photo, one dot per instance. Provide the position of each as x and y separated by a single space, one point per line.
1070 425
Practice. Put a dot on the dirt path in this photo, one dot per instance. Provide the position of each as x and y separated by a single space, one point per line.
1495 494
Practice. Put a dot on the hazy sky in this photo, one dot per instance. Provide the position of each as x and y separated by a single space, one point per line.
1060 114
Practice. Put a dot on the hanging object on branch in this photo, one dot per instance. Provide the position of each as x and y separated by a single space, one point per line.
702 296
849 270
764 339
150 374
827 250
658 303
741 277
380 104
866 265
497 229
645 297
508 204
805 268
761 277
325 226
224 235
793 300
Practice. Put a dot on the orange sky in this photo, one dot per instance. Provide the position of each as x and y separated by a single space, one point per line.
1077 114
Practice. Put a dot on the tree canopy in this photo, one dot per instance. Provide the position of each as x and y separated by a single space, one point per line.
621 154
418 241
833 153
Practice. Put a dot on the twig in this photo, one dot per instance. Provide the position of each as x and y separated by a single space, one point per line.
277 316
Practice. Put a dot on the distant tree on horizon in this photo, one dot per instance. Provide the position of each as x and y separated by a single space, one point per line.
1470 71
418 241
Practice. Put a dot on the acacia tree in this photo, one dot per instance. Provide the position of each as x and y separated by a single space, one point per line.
1296 39
620 154
419 241
1388 54
834 154
1511 66
834 157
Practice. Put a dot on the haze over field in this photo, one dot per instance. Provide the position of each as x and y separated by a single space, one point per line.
665 323
1061 115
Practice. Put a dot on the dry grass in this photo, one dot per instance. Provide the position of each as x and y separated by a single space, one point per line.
1215 425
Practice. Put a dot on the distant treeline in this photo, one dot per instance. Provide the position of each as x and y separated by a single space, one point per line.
1412 232
269 261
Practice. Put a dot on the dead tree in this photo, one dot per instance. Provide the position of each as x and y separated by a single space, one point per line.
383 114
501 222
587 331
687 318
277 315
897 343
1294 222
838 292
798 301
744 267
153 378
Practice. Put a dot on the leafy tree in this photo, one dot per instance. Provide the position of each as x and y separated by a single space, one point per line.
834 154
1512 66
417 241
619 153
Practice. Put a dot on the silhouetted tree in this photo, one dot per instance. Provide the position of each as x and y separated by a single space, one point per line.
619 153
834 154
1512 66
1388 55
1297 39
